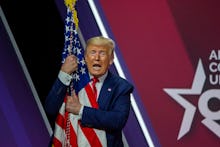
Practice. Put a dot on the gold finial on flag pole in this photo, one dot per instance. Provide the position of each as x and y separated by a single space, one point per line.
71 5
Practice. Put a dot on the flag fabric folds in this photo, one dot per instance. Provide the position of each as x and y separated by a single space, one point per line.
68 131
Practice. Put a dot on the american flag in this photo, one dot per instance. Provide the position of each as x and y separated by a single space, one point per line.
68 131
73 46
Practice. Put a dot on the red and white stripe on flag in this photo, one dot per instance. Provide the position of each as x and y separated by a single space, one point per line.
79 136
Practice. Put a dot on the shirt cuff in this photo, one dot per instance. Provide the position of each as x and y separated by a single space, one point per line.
81 112
64 78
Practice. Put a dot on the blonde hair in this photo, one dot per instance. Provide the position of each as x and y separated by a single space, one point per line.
101 41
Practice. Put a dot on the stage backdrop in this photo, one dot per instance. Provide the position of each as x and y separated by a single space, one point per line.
22 120
172 51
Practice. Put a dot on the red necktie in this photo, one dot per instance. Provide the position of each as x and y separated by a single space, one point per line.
94 81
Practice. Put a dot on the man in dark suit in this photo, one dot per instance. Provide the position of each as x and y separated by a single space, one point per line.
113 92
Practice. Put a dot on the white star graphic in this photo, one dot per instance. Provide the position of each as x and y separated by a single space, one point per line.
83 70
76 77
78 51
83 62
196 89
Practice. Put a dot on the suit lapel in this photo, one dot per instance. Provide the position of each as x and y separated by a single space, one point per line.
106 92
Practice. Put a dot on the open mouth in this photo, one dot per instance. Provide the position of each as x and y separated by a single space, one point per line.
96 66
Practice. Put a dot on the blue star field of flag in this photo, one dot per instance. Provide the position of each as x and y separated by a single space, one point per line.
72 45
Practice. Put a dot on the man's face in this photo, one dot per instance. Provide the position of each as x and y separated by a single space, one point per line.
98 59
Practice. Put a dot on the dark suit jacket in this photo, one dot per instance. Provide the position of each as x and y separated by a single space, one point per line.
114 105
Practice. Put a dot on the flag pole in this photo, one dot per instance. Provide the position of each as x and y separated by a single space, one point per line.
70 4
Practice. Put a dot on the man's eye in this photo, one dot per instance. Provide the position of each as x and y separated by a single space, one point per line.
102 53
92 52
